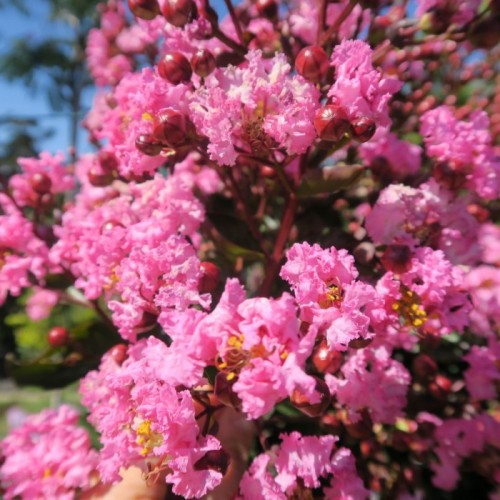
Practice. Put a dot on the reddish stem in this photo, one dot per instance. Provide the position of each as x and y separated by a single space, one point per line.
332 30
235 20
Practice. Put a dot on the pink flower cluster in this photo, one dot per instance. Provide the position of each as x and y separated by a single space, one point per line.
48 456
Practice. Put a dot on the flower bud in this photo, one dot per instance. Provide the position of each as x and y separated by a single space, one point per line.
40 183
98 178
178 12
148 145
397 258
440 387
326 360
175 68
58 336
331 123
267 8
301 402
145 9
312 63
217 460
363 128
171 127
203 62
210 277
424 367
108 161
118 353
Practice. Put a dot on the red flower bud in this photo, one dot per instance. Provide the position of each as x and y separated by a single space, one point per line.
148 145
175 68
118 353
301 402
40 183
210 277
331 123
203 62
57 336
326 360
267 8
363 128
145 9
397 258
312 63
99 179
171 127
108 161
178 12
424 367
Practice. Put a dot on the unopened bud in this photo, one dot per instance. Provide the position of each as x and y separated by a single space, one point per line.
424 367
331 123
58 336
397 258
171 127
40 183
363 128
145 9
148 145
118 353
325 360
203 62
175 68
267 8
178 12
312 63
210 277
108 161
301 402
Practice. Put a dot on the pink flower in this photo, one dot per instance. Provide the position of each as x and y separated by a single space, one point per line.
57 178
427 299
371 380
360 88
389 156
48 456
465 149
303 19
428 216
141 416
483 285
345 484
457 439
482 376
41 303
305 457
461 12
324 283
257 107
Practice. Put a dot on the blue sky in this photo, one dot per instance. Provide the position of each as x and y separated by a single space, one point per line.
23 102
19 100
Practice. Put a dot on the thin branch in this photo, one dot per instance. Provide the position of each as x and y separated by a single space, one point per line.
235 20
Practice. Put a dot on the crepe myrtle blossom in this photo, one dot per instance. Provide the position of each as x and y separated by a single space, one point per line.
359 88
143 420
93 240
483 285
47 456
427 299
370 379
463 150
482 376
328 293
296 466
256 343
257 107
459 438
41 178
23 255
429 215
